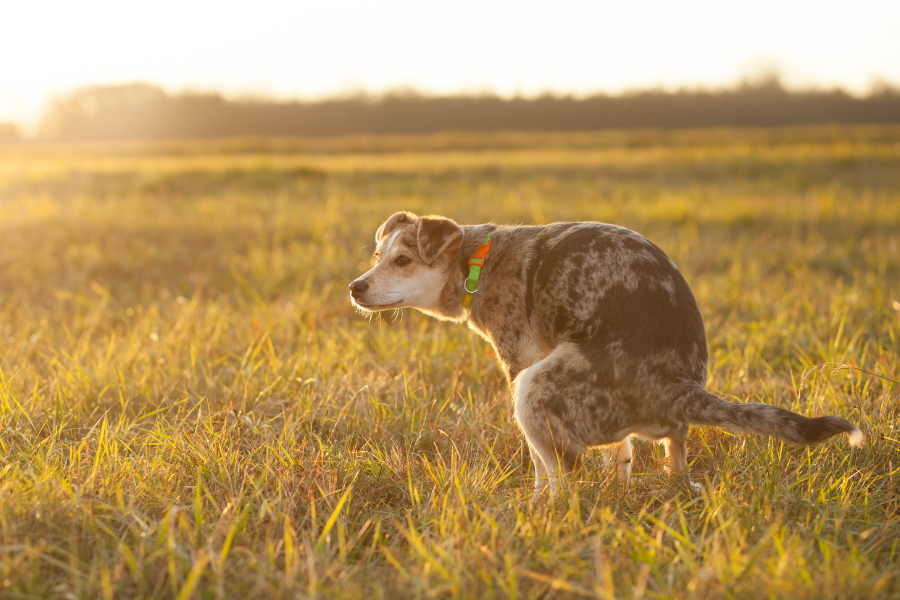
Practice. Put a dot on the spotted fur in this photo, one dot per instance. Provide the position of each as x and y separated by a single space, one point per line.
596 330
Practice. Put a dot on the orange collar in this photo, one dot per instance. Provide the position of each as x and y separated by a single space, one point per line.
475 264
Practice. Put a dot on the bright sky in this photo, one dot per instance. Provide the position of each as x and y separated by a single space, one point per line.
312 49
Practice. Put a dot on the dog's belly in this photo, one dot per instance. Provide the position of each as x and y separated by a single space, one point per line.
603 400
606 414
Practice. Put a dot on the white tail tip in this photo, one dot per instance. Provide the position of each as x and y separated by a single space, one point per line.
856 438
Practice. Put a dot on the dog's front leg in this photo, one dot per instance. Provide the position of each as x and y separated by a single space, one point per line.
540 471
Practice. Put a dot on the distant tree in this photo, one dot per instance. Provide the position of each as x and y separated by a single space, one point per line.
9 133
106 112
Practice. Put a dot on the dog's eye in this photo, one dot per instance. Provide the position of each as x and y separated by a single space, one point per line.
402 261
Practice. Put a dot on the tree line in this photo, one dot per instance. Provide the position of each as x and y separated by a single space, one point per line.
141 111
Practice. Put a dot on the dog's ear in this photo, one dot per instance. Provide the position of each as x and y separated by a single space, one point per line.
392 223
437 235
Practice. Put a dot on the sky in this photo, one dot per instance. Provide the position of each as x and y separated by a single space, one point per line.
299 49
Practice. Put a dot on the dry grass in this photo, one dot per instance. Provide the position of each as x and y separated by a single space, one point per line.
190 407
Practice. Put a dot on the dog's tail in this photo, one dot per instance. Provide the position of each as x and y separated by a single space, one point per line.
699 407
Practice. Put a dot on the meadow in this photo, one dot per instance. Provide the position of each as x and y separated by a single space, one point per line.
190 407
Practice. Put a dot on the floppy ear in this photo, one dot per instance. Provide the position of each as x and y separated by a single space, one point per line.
392 223
437 235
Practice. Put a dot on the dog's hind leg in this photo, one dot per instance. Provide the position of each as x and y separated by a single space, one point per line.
542 409
676 450
620 454
540 471
676 456
560 456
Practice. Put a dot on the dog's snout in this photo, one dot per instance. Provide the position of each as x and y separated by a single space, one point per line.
358 287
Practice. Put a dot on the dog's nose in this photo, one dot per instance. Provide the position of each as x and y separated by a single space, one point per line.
358 287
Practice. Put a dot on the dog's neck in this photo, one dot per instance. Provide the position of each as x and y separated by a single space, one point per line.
473 236
453 292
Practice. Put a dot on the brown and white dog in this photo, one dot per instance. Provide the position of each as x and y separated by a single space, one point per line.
597 332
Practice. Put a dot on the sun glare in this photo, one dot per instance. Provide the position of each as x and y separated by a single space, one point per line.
305 49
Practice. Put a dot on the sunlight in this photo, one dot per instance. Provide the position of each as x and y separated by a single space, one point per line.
288 49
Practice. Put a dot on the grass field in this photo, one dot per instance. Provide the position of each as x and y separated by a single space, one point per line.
190 407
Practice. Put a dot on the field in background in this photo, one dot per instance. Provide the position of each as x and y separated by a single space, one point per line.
190 406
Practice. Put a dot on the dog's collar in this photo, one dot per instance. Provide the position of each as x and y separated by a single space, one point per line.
475 263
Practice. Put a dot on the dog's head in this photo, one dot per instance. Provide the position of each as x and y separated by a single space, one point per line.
414 258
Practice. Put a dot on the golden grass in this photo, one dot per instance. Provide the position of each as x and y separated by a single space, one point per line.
190 407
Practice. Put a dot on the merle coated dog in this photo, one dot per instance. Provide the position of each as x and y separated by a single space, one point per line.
597 332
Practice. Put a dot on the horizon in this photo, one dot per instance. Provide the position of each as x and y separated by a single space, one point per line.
307 52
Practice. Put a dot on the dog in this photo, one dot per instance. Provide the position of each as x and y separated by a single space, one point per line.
595 328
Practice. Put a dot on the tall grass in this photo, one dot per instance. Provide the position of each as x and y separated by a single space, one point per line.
189 407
